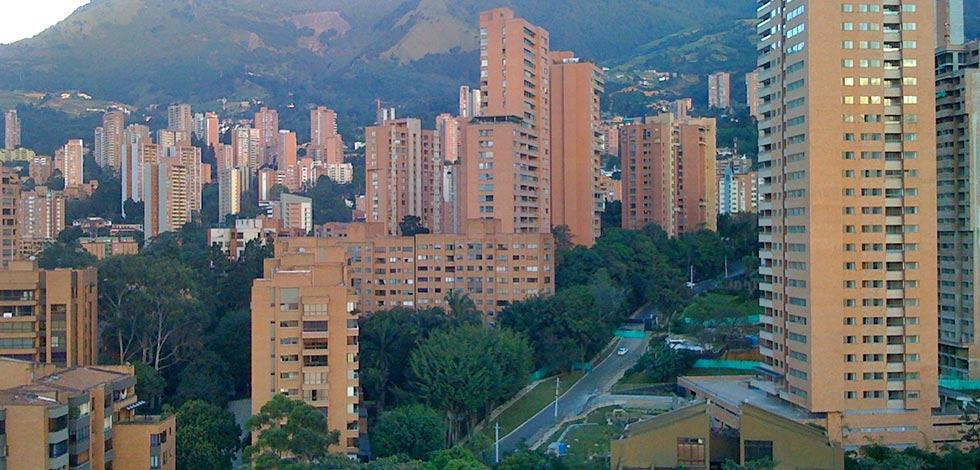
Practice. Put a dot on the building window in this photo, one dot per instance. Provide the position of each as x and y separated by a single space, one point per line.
690 452
757 450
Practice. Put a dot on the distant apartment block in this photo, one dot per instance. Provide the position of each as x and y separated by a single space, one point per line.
668 174
69 160
109 140
738 192
11 130
232 182
9 200
104 247
403 173
180 118
48 316
326 144
296 212
719 90
40 218
752 87
166 198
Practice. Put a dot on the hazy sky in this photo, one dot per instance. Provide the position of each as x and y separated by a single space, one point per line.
21 19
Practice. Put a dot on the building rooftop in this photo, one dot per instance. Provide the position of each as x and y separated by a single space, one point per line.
733 391
20 397
81 378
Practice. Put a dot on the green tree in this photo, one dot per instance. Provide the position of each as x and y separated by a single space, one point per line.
65 255
530 460
289 432
456 458
149 385
414 430
763 464
56 182
208 437
662 362
466 370
411 225
462 309
206 377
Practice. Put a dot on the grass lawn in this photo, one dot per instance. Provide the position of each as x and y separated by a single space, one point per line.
530 404
593 440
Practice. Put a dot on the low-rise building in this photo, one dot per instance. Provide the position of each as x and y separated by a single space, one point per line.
104 247
80 417
697 437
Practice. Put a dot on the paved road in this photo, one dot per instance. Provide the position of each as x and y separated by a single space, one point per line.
600 380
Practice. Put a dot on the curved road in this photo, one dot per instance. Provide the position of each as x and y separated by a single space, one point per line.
574 401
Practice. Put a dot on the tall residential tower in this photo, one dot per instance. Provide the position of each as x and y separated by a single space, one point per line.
847 140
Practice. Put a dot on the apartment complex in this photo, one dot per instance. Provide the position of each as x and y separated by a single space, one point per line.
9 197
848 215
576 147
305 338
720 90
403 174
958 155
48 316
669 174
180 118
752 93
738 192
166 197
492 266
267 123
232 182
326 144
109 140
69 160
11 130
40 218
79 417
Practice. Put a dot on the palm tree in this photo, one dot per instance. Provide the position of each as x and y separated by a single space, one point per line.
462 309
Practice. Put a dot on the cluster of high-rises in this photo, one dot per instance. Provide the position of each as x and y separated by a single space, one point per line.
58 409
867 238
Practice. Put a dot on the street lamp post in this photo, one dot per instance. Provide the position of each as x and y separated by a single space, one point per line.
557 384
496 445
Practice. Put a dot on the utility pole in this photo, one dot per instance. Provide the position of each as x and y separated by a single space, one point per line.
496 444
557 384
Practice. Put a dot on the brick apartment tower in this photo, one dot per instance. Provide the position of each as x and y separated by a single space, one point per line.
11 130
267 122
514 101
694 175
70 160
647 154
301 305
9 201
403 174
576 143
847 144
165 197
213 129
326 145
180 118
49 316
110 146
720 90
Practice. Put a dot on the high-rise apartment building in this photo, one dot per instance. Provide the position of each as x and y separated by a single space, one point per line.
447 127
403 173
515 67
694 175
212 129
326 145
109 140
79 418
847 139
738 192
305 338
950 29
9 197
285 149
752 92
267 122
296 212
11 130
166 197
246 144
232 182
958 158
180 118
49 316
137 149
69 160
40 218
719 90
576 147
